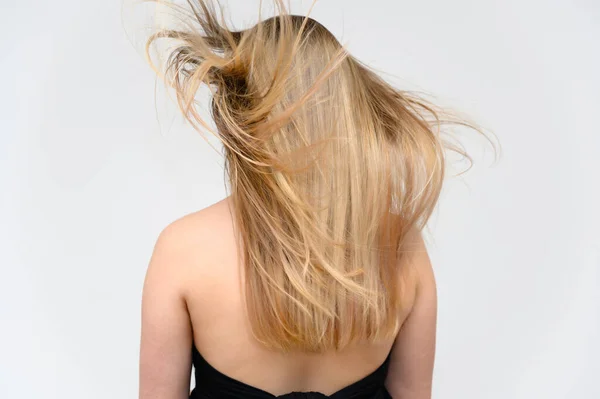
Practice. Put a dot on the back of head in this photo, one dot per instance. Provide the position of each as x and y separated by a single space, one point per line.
329 167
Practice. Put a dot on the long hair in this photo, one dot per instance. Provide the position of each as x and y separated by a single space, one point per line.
328 165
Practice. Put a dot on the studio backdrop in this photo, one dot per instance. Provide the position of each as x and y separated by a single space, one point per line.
95 161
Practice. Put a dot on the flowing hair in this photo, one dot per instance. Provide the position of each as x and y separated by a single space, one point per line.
329 168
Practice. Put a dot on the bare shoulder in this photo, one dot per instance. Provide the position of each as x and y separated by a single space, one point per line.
411 367
193 242
185 249
199 225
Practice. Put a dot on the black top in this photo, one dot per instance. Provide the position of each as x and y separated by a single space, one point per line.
212 384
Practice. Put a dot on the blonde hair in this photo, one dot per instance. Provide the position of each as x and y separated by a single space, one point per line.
328 165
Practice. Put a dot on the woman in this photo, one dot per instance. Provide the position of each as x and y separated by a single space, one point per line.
311 278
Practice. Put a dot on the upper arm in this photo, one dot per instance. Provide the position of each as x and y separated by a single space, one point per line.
411 367
166 337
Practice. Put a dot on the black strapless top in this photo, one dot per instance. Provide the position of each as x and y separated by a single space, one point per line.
212 384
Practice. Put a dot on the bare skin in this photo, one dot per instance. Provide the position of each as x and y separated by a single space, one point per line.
192 295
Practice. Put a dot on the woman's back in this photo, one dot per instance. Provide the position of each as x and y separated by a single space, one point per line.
195 264
223 337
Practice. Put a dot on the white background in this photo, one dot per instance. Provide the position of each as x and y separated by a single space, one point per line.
90 172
